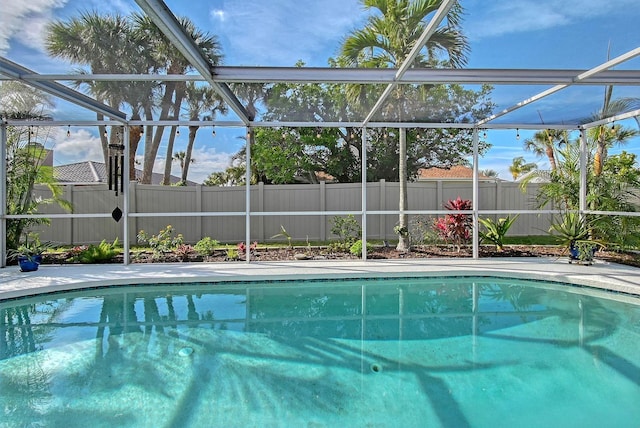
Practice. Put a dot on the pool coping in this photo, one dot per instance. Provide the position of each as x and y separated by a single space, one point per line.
54 278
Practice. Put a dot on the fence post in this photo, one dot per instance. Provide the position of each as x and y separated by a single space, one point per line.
323 207
383 206
498 195
68 195
133 208
198 195
260 208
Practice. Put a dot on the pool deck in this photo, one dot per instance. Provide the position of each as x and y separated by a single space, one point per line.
49 278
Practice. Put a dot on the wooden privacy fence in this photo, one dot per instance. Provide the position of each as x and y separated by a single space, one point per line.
214 202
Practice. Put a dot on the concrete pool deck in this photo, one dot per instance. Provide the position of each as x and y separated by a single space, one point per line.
50 278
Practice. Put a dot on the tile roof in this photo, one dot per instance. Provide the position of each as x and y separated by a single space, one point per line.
96 172
457 172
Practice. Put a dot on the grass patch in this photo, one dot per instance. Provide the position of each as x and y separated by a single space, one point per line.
531 240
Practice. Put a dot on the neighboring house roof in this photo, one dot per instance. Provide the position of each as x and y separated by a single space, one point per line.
458 172
96 172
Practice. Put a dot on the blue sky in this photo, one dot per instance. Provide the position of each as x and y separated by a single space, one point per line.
573 34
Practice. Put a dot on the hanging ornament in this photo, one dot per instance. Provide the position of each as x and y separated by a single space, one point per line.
116 214
116 167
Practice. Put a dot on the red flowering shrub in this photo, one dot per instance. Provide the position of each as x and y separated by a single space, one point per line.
252 247
455 228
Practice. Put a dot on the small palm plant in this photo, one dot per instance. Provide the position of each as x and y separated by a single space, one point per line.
495 232
283 232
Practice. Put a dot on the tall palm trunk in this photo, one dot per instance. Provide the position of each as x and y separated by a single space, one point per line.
151 150
551 154
403 219
187 157
102 129
166 178
601 151
135 135
179 90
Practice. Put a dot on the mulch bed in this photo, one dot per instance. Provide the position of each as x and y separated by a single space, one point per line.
418 252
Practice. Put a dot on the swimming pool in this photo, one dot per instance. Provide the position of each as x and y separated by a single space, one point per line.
461 351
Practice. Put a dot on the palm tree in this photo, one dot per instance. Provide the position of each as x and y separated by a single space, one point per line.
105 44
606 136
386 41
200 99
489 173
181 157
520 167
545 143
168 59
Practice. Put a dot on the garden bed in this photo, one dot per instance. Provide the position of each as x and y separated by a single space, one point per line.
325 253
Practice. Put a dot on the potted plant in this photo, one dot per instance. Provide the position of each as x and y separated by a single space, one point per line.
574 232
29 253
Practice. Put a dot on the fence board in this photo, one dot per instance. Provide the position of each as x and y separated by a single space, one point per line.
381 196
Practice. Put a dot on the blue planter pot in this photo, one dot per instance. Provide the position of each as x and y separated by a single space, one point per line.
29 264
574 254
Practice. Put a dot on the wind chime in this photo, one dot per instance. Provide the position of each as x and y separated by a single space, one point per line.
115 169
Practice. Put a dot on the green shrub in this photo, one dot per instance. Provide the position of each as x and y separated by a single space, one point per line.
422 232
232 254
98 253
206 246
348 231
163 242
356 248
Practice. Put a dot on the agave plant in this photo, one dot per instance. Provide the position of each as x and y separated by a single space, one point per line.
496 231
572 227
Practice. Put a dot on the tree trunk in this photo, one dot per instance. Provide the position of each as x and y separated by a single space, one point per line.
601 151
103 139
187 157
403 219
552 158
166 178
135 135
151 150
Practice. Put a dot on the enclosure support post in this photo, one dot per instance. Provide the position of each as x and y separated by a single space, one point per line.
125 195
3 194
474 199
583 172
364 193
247 208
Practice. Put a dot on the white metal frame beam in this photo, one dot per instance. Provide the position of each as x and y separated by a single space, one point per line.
166 21
239 74
306 124
580 77
622 116
17 72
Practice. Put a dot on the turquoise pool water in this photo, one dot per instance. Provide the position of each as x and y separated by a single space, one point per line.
412 352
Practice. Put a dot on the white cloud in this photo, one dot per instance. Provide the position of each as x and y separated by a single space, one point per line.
26 20
281 32
207 160
218 15
491 19
81 145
